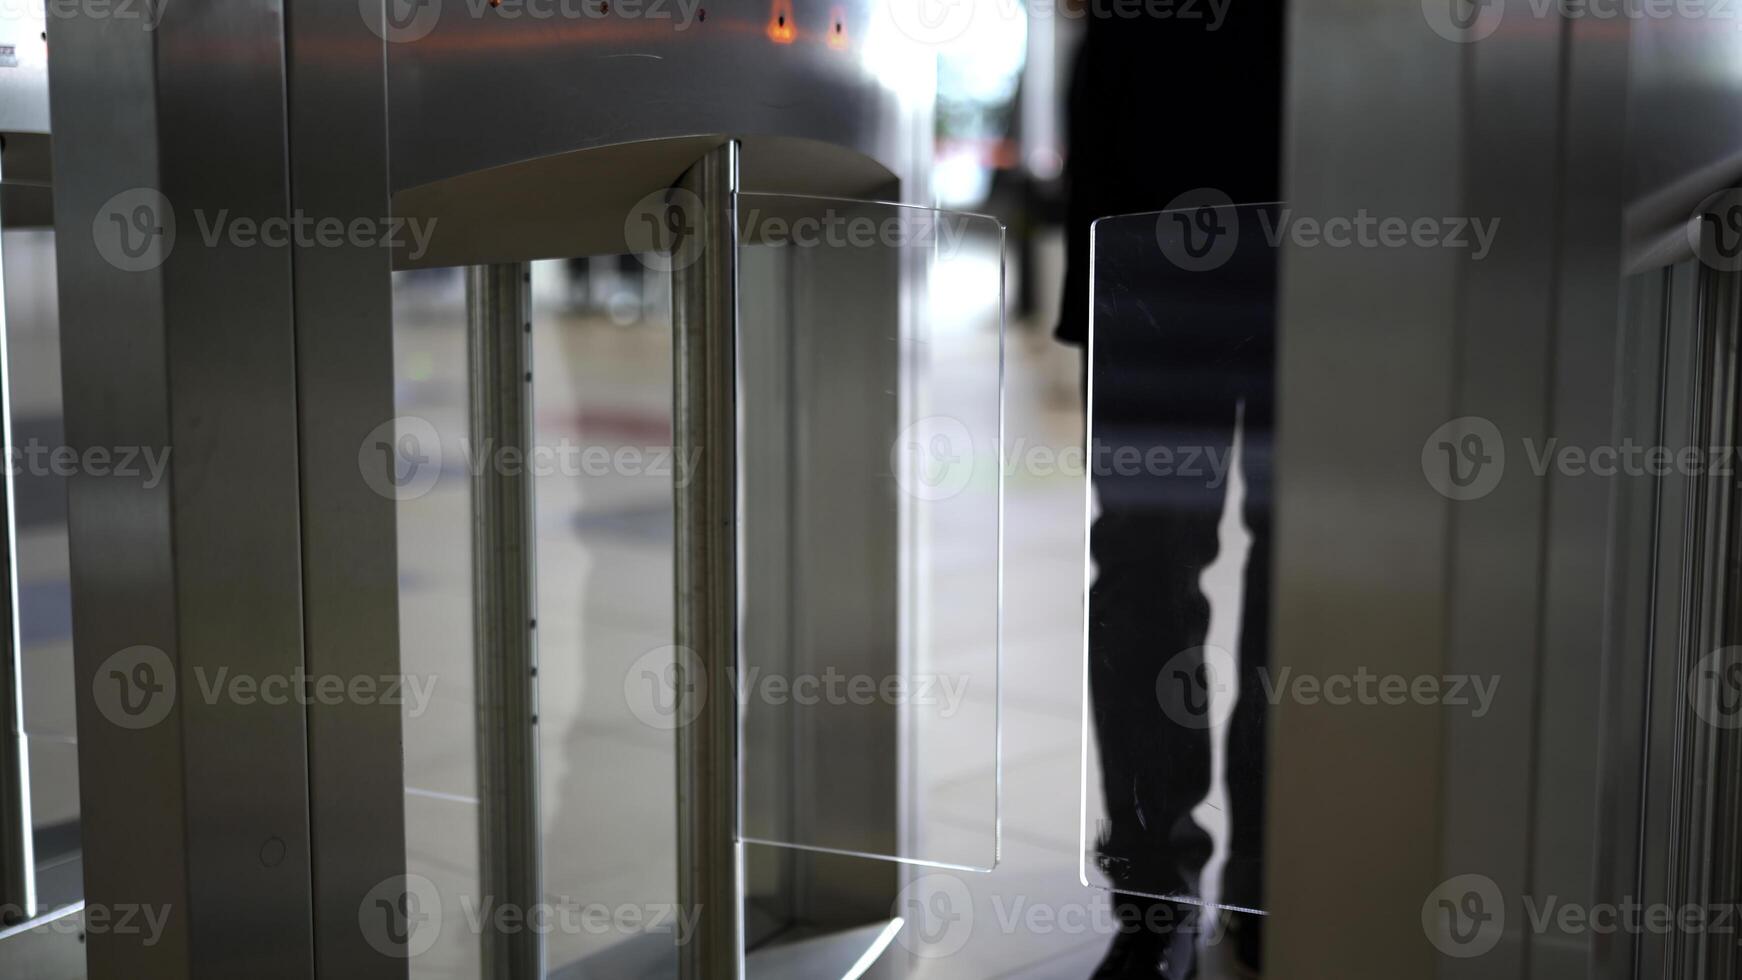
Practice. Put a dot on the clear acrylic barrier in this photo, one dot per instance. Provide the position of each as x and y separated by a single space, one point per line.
1181 395
602 482
870 358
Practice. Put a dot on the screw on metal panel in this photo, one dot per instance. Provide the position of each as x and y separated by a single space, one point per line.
272 852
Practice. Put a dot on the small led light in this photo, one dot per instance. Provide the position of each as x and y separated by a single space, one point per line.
781 27
838 29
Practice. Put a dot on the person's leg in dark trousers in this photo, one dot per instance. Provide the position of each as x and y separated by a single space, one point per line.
1179 354
1175 352
1155 535
1148 614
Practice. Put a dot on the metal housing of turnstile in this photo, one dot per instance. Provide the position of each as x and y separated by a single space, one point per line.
526 137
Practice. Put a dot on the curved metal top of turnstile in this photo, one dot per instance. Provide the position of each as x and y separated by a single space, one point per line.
578 203
514 123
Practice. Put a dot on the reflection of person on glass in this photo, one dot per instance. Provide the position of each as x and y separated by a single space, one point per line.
1161 107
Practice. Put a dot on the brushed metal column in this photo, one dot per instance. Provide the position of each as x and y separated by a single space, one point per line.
704 425
198 573
17 870
499 322
336 125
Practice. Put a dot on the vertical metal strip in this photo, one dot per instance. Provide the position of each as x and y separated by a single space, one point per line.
704 424
17 871
336 98
499 318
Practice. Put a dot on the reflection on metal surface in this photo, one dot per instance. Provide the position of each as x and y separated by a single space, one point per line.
17 822
205 566
23 202
704 427
337 157
579 81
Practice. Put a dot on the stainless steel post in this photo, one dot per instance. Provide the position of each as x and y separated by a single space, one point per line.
499 318
17 876
704 424
197 805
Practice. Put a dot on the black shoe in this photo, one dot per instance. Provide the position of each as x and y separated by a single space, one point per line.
1156 941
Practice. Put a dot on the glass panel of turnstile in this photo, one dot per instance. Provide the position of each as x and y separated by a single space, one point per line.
1181 389
870 353
602 473
869 359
